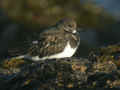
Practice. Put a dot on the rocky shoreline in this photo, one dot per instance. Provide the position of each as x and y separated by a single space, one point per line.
99 69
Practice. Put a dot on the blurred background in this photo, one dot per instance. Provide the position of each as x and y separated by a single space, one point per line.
20 18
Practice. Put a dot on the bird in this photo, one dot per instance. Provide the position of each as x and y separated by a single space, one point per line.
58 41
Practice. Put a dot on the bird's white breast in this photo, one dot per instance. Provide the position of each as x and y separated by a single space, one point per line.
67 52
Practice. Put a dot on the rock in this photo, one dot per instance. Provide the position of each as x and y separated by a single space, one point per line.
100 69
68 73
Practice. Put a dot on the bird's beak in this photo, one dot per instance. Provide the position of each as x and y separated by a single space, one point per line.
74 31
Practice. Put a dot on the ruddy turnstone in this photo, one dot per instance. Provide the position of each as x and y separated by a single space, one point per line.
58 41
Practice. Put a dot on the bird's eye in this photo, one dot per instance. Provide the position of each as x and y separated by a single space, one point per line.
70 25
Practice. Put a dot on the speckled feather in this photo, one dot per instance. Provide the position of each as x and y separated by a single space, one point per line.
50 42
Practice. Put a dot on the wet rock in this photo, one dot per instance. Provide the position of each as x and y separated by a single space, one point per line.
100 69
52 73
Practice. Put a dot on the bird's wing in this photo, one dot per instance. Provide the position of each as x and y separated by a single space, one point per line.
48 44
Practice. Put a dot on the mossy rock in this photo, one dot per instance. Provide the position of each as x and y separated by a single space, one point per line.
98 70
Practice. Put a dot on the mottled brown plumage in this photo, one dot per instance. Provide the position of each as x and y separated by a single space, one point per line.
53 40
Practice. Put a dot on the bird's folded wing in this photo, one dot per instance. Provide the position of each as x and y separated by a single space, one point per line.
48 44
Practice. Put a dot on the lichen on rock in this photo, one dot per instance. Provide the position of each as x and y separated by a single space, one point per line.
100 69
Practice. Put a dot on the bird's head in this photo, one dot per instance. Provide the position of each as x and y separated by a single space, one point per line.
67 25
